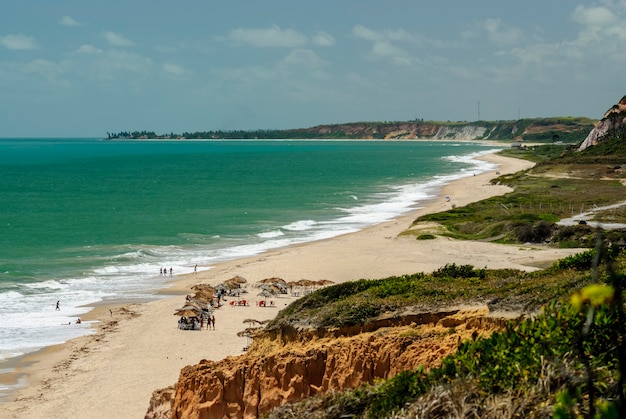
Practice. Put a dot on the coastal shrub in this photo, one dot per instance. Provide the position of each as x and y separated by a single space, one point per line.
425 237
396 286
527 354
585 260
452 270
324 296
533 233
394 393
355 311
579 261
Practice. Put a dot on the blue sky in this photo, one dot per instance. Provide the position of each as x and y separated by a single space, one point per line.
85 67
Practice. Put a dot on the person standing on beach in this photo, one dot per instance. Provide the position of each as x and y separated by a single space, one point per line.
195 269
213 321
58 306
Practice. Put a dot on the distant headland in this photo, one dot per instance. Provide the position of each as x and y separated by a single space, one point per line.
566 129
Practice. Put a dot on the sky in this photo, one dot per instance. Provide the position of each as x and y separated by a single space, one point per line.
82 68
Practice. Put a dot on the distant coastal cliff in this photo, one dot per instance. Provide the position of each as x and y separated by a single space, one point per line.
567 129
612 124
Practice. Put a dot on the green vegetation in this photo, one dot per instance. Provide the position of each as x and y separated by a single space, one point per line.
563 363
561 185
356 303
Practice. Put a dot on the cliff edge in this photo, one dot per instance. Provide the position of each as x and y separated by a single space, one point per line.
612 124
287 365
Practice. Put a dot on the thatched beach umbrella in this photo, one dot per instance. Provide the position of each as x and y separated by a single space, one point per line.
202 287
265 294
248 335
273 280
186 313
272 288
251 322
235 282
305 283
325 282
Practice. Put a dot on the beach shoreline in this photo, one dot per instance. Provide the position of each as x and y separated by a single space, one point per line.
137 348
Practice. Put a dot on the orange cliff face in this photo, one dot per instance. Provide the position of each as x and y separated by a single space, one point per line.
281 369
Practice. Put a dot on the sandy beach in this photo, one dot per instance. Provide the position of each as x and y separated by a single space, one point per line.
137 347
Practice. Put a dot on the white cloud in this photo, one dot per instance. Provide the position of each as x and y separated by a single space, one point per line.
245 76
495 31
41 66
115 65
269 37
116 39
598 23
68 21
323 39
384 44
302 62
122 60
174 69
88 49
501 34
365 33
594 17
303 57
18 42
389 35
535 54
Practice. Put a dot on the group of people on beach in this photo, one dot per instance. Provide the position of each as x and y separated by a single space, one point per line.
163 271
197 322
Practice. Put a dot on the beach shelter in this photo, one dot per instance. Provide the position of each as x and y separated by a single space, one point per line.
265 294
273 280
202 287
186 312
248 335
235 282
324 282
221 287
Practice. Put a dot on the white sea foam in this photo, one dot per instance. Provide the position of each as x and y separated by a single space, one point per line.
271 234
301 225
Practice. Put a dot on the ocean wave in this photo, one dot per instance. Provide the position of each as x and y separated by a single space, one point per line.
301 225
271 234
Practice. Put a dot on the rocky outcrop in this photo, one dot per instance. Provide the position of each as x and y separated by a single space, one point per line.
611 125
278 370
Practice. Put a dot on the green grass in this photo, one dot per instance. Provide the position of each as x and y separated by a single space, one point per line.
561 185
358 302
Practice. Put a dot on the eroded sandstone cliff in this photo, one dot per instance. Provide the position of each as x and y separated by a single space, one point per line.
612 124
289 365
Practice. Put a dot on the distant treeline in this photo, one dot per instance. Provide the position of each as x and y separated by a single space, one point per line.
564 129
222 135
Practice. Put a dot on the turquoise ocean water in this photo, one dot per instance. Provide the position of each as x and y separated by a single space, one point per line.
85 220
